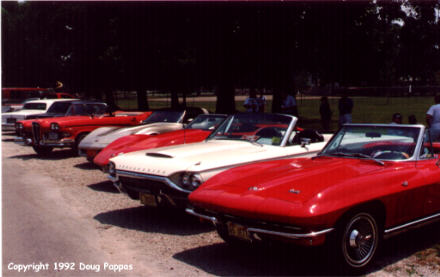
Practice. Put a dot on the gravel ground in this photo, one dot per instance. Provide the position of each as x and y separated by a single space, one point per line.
170 243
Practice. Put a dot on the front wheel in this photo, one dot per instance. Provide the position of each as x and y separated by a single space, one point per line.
42 150
358 240
79 138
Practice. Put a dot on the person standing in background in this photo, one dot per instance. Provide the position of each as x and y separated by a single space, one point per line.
396 119
261 103
433 119
288 106
251 103
345 109
412 119
326 113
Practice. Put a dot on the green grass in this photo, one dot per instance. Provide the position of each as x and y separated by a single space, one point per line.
366 109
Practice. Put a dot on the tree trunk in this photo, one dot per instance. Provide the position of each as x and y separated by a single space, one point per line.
142 100
174 100
225 98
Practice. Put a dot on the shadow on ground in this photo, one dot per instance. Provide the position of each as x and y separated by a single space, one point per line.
87 166
54 155
105 186
407 244
8 139
154 220
284 260
276 260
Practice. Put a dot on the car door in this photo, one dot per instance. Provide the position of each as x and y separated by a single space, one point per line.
429 167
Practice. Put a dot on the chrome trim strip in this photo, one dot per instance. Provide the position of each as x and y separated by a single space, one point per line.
411 223
164 180
264 231
210 218
290 235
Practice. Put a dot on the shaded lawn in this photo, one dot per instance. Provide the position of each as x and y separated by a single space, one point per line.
366 109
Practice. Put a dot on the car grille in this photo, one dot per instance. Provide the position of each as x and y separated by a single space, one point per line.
143 184
249 222
36 132
155 187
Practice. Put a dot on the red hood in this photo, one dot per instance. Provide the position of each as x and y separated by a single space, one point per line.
72 121
283 188
141 142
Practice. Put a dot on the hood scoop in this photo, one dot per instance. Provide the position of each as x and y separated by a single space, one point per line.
159 155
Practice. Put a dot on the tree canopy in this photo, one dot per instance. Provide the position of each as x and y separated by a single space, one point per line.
183 47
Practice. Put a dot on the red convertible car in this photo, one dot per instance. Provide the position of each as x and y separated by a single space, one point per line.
198 130
46 133
370 182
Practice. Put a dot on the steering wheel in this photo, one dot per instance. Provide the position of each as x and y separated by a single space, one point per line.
390 155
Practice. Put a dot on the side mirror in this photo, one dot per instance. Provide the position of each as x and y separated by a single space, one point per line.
305 142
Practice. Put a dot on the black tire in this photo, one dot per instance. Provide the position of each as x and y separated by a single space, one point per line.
357 241
78 139
42 150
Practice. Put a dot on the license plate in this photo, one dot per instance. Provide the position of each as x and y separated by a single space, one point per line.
238 231
52 136
148 199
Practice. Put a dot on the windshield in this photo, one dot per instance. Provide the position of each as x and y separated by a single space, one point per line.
269 129
59 107
87 109
206 122
390 142
164 116
34 106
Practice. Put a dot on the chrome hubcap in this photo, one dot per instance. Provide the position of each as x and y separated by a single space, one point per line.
360 240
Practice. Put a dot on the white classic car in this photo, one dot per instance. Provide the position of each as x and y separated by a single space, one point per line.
157 123
165 176
30 108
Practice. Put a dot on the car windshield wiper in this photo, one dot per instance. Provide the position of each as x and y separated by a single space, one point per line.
361 155
357 155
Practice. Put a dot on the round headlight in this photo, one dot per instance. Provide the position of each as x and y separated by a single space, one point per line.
54 126
196 180
186 179
112 169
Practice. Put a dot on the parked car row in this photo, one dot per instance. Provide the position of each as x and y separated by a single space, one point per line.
259 177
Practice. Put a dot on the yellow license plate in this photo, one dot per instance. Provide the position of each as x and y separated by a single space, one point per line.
238 231
148 199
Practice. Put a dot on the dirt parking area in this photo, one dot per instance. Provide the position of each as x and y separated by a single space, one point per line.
170 243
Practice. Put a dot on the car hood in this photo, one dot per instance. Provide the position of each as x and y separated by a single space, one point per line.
136 142
278 189
103 136
210 155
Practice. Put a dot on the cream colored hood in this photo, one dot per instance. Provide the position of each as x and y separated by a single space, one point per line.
211 155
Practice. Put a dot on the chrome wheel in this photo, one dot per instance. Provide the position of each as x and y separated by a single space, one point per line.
360 240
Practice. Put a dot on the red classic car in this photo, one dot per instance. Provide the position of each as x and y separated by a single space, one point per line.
368 183
196 131
46 133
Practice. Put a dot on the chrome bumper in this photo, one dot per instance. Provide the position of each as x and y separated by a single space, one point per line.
251 230
23 141
64 143
116 184
8 127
